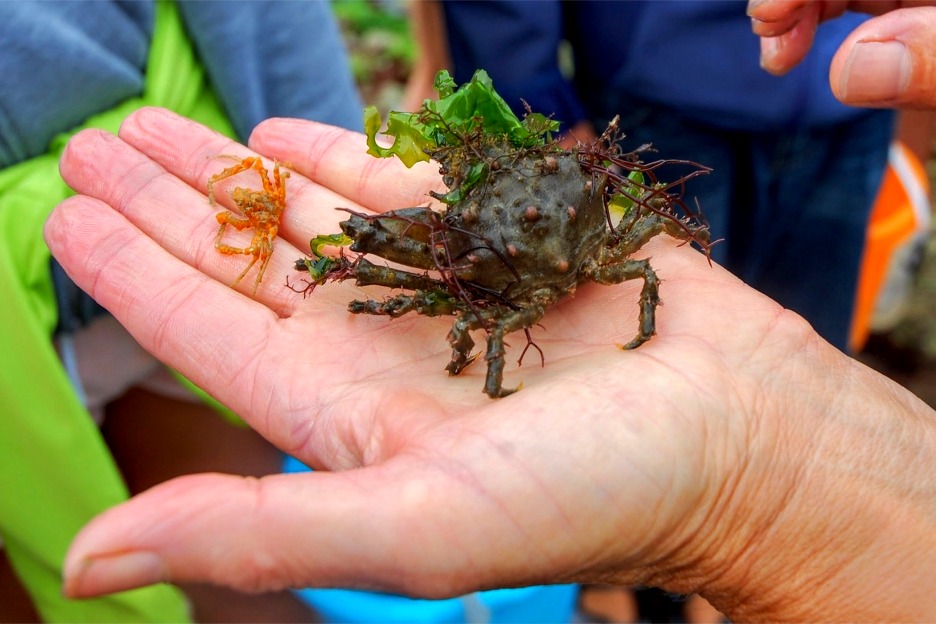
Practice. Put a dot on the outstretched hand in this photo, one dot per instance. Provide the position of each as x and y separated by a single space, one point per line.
662 465
886 61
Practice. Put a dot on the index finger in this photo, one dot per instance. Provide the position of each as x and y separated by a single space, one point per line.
338 160
191 152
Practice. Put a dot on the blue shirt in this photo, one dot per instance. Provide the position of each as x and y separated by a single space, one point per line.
697 57
63 61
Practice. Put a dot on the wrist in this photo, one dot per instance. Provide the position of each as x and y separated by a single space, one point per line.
835 501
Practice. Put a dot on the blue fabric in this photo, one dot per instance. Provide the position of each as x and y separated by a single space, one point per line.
275 58
795 172
698 57
543 604
540 605
63 61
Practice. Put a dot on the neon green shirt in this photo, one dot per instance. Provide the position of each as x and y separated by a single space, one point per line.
55 471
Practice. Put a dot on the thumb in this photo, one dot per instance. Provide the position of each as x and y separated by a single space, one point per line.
889 60
346 529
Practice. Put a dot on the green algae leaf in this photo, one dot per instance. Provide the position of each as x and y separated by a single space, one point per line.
622 203
319 265
474 104
444 84
539 125
409 143
447 121
476 174
325 240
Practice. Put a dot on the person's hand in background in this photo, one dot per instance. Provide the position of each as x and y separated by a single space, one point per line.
890 60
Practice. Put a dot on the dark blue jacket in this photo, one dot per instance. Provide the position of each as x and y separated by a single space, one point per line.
697 57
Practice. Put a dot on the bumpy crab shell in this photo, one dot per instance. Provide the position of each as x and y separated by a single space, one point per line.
527 234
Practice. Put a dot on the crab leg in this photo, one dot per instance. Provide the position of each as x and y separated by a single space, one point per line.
432 303
367 274
228 218
462 344
649 294
515 320
248 163
637 231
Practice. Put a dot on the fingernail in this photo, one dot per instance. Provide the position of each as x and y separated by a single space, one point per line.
769 47
875 71
106 574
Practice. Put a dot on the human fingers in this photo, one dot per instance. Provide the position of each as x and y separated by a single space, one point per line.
285 376
188 150
422 524
787 27
318 529
194 154
890 60
773 17
178 216
770 18
338 160
173 309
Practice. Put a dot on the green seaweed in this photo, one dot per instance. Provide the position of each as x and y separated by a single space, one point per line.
458 113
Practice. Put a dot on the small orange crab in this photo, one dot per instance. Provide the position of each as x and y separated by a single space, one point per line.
260 210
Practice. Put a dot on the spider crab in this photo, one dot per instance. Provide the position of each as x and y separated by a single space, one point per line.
514 239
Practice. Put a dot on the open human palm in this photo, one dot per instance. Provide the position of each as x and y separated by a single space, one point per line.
607 465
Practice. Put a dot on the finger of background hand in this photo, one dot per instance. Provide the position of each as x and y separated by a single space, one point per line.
785 44
889 60
103 166
174 311
770 18
190 151
338 159
377 527
786 27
